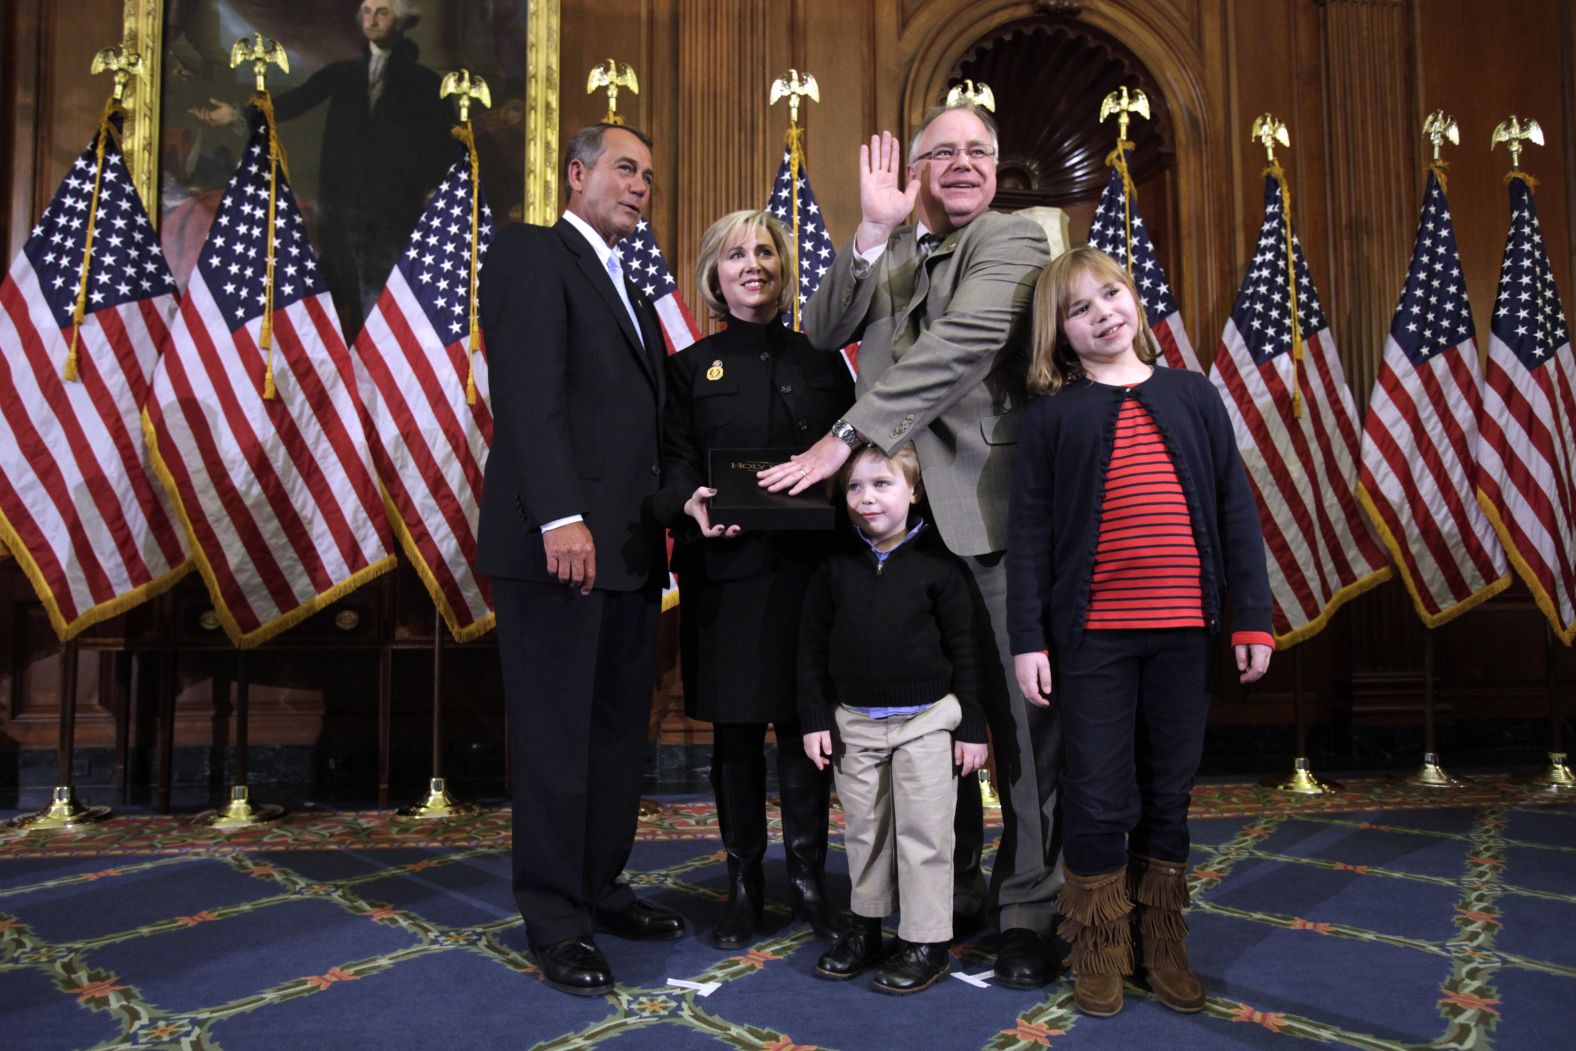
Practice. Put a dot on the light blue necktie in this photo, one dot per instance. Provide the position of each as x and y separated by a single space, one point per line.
615 270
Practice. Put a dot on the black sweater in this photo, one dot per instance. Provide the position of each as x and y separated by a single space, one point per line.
1054 522
891 637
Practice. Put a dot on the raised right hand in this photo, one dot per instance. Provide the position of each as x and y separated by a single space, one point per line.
698 508
882 206
1033 672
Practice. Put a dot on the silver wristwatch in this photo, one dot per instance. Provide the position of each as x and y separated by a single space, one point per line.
844 432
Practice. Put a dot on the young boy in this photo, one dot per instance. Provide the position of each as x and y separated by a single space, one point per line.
885 661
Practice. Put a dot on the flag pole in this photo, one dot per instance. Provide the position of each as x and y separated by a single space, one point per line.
1431 775
1557 776
239 814
63 814
1438 128
793 87
1301 782
438 805
1125 106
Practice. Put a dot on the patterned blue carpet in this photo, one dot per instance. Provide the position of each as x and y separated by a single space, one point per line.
1376 920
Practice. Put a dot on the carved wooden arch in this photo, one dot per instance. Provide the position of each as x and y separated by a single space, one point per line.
940 33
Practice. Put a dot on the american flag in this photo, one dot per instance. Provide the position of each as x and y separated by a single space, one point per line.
79 507
1527 449
1109 233
429 445
1419 457
1303 467
645 267
815 252
281 505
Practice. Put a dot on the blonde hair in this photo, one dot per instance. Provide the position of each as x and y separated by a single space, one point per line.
1052 363
719 236
904 458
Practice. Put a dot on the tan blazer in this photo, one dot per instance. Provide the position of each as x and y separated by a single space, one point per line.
944 350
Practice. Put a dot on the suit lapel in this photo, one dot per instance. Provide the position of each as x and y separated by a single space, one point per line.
593 270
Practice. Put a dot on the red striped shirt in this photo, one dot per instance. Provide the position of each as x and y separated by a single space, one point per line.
1146 567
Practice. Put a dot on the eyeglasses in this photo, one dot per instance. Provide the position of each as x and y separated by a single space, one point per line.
945 154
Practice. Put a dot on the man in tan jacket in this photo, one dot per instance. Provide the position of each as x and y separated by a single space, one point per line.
941 308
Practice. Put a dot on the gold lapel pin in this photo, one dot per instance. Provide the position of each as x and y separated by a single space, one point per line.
715 372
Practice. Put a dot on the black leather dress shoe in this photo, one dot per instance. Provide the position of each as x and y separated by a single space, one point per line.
575 966
642 921
1024 959
915 966
855 951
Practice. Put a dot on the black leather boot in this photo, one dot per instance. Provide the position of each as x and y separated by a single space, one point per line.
856 950
741 814
805 793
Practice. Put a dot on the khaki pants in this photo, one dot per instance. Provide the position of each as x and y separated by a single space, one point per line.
895 779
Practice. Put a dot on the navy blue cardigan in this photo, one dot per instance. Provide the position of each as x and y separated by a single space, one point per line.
1059 487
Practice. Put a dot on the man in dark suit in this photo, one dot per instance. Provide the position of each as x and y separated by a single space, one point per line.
574 354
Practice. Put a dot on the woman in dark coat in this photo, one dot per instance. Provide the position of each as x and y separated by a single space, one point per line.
755 385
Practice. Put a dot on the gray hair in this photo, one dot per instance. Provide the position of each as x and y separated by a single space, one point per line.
935 114
406 13
586 147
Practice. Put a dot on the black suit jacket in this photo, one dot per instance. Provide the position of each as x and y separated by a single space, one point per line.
774 390
576 405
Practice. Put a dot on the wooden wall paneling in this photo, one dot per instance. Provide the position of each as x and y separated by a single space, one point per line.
1482 61
1371 194
837 43
729 140
1492 659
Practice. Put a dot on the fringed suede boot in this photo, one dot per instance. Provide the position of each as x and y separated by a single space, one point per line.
741 816
1159 891
1097 923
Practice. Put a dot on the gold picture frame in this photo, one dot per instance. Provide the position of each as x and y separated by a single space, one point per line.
144 32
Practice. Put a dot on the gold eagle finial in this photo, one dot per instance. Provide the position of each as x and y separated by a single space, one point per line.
1439 128
969 93
124 63
1513 132
1270 129
793 86
467 86
612 75
259 51
1124 106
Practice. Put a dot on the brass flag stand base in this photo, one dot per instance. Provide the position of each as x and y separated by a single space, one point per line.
240 814
438 806
1558 777
650 808
61 815
1302 782
1432 775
